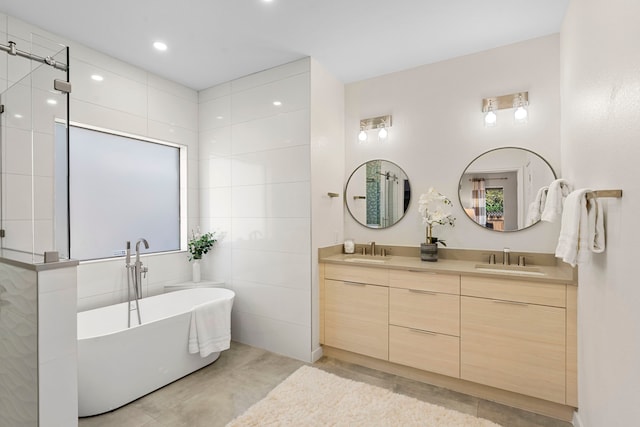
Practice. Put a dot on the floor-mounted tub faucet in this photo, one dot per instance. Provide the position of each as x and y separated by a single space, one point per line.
134 279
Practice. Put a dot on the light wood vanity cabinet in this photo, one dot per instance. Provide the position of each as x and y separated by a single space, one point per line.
510 334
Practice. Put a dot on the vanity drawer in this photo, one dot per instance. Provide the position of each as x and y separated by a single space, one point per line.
357 274
425 310
425 281
425 350
514 290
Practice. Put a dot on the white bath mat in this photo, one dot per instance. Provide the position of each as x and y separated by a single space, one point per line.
312 397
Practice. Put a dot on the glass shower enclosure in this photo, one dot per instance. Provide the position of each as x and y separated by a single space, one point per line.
34 76
32 104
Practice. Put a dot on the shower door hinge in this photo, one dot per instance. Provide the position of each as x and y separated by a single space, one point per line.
1 233
1 108
62 86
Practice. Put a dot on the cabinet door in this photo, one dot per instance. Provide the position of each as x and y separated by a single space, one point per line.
425 310
514 346
356 318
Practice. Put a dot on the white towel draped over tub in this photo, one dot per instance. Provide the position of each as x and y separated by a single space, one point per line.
582 229
210 329
558 191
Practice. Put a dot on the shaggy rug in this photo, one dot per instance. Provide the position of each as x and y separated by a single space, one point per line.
312 397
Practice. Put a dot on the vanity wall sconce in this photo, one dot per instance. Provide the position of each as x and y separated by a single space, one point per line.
519 101
381 124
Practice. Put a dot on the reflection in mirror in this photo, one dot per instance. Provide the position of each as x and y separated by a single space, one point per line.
377 194
497 187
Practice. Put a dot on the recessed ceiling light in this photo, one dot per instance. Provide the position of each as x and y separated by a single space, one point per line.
277 103
160 46
51 101
97 77
17 116
219 117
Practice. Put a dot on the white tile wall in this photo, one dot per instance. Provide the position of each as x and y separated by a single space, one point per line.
18 346
281 200
266 267
255 181
278 336
283 130
17 151
257 102
57 347
273 166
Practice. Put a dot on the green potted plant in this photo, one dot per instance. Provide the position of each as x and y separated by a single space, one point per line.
435 208
198 245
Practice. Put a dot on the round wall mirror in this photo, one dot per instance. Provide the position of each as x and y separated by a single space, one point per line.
377 194
498 188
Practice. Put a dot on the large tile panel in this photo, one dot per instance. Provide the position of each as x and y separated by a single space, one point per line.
269 268
286 129
271 75
275 302
167 108
273 166
274 335
272 234
256 103
282 200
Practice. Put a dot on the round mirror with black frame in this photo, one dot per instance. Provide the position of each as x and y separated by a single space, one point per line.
498 190
377 194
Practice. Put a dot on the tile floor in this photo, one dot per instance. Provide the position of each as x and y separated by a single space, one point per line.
243 375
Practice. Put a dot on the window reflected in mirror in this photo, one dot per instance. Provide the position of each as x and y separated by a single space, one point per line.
497 187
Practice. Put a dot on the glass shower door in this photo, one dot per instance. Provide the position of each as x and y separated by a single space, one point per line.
32 106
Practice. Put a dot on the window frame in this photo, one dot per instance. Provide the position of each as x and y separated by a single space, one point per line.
182 185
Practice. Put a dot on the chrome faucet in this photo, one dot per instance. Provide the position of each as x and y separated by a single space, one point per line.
134 274
138 268
373 248
505 256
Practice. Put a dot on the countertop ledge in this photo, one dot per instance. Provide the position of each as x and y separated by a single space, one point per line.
562 273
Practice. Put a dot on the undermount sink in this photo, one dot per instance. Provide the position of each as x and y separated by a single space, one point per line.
370 259
512 269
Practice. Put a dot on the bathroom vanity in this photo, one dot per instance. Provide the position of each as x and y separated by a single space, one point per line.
504 333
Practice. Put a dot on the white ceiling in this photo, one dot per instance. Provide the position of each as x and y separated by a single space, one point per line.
214 41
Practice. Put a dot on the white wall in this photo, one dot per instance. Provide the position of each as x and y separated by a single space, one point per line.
438 129
600 150
129 100
255 180
134 101
327 175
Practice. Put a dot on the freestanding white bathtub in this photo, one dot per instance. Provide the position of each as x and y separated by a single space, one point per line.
117 365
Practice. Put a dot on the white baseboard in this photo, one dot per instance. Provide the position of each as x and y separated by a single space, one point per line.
316 354
577 422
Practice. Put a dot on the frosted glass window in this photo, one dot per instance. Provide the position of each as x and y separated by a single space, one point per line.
121 189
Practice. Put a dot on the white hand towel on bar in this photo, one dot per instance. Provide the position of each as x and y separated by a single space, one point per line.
537 206
558 191
582 229
596 226
210 329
